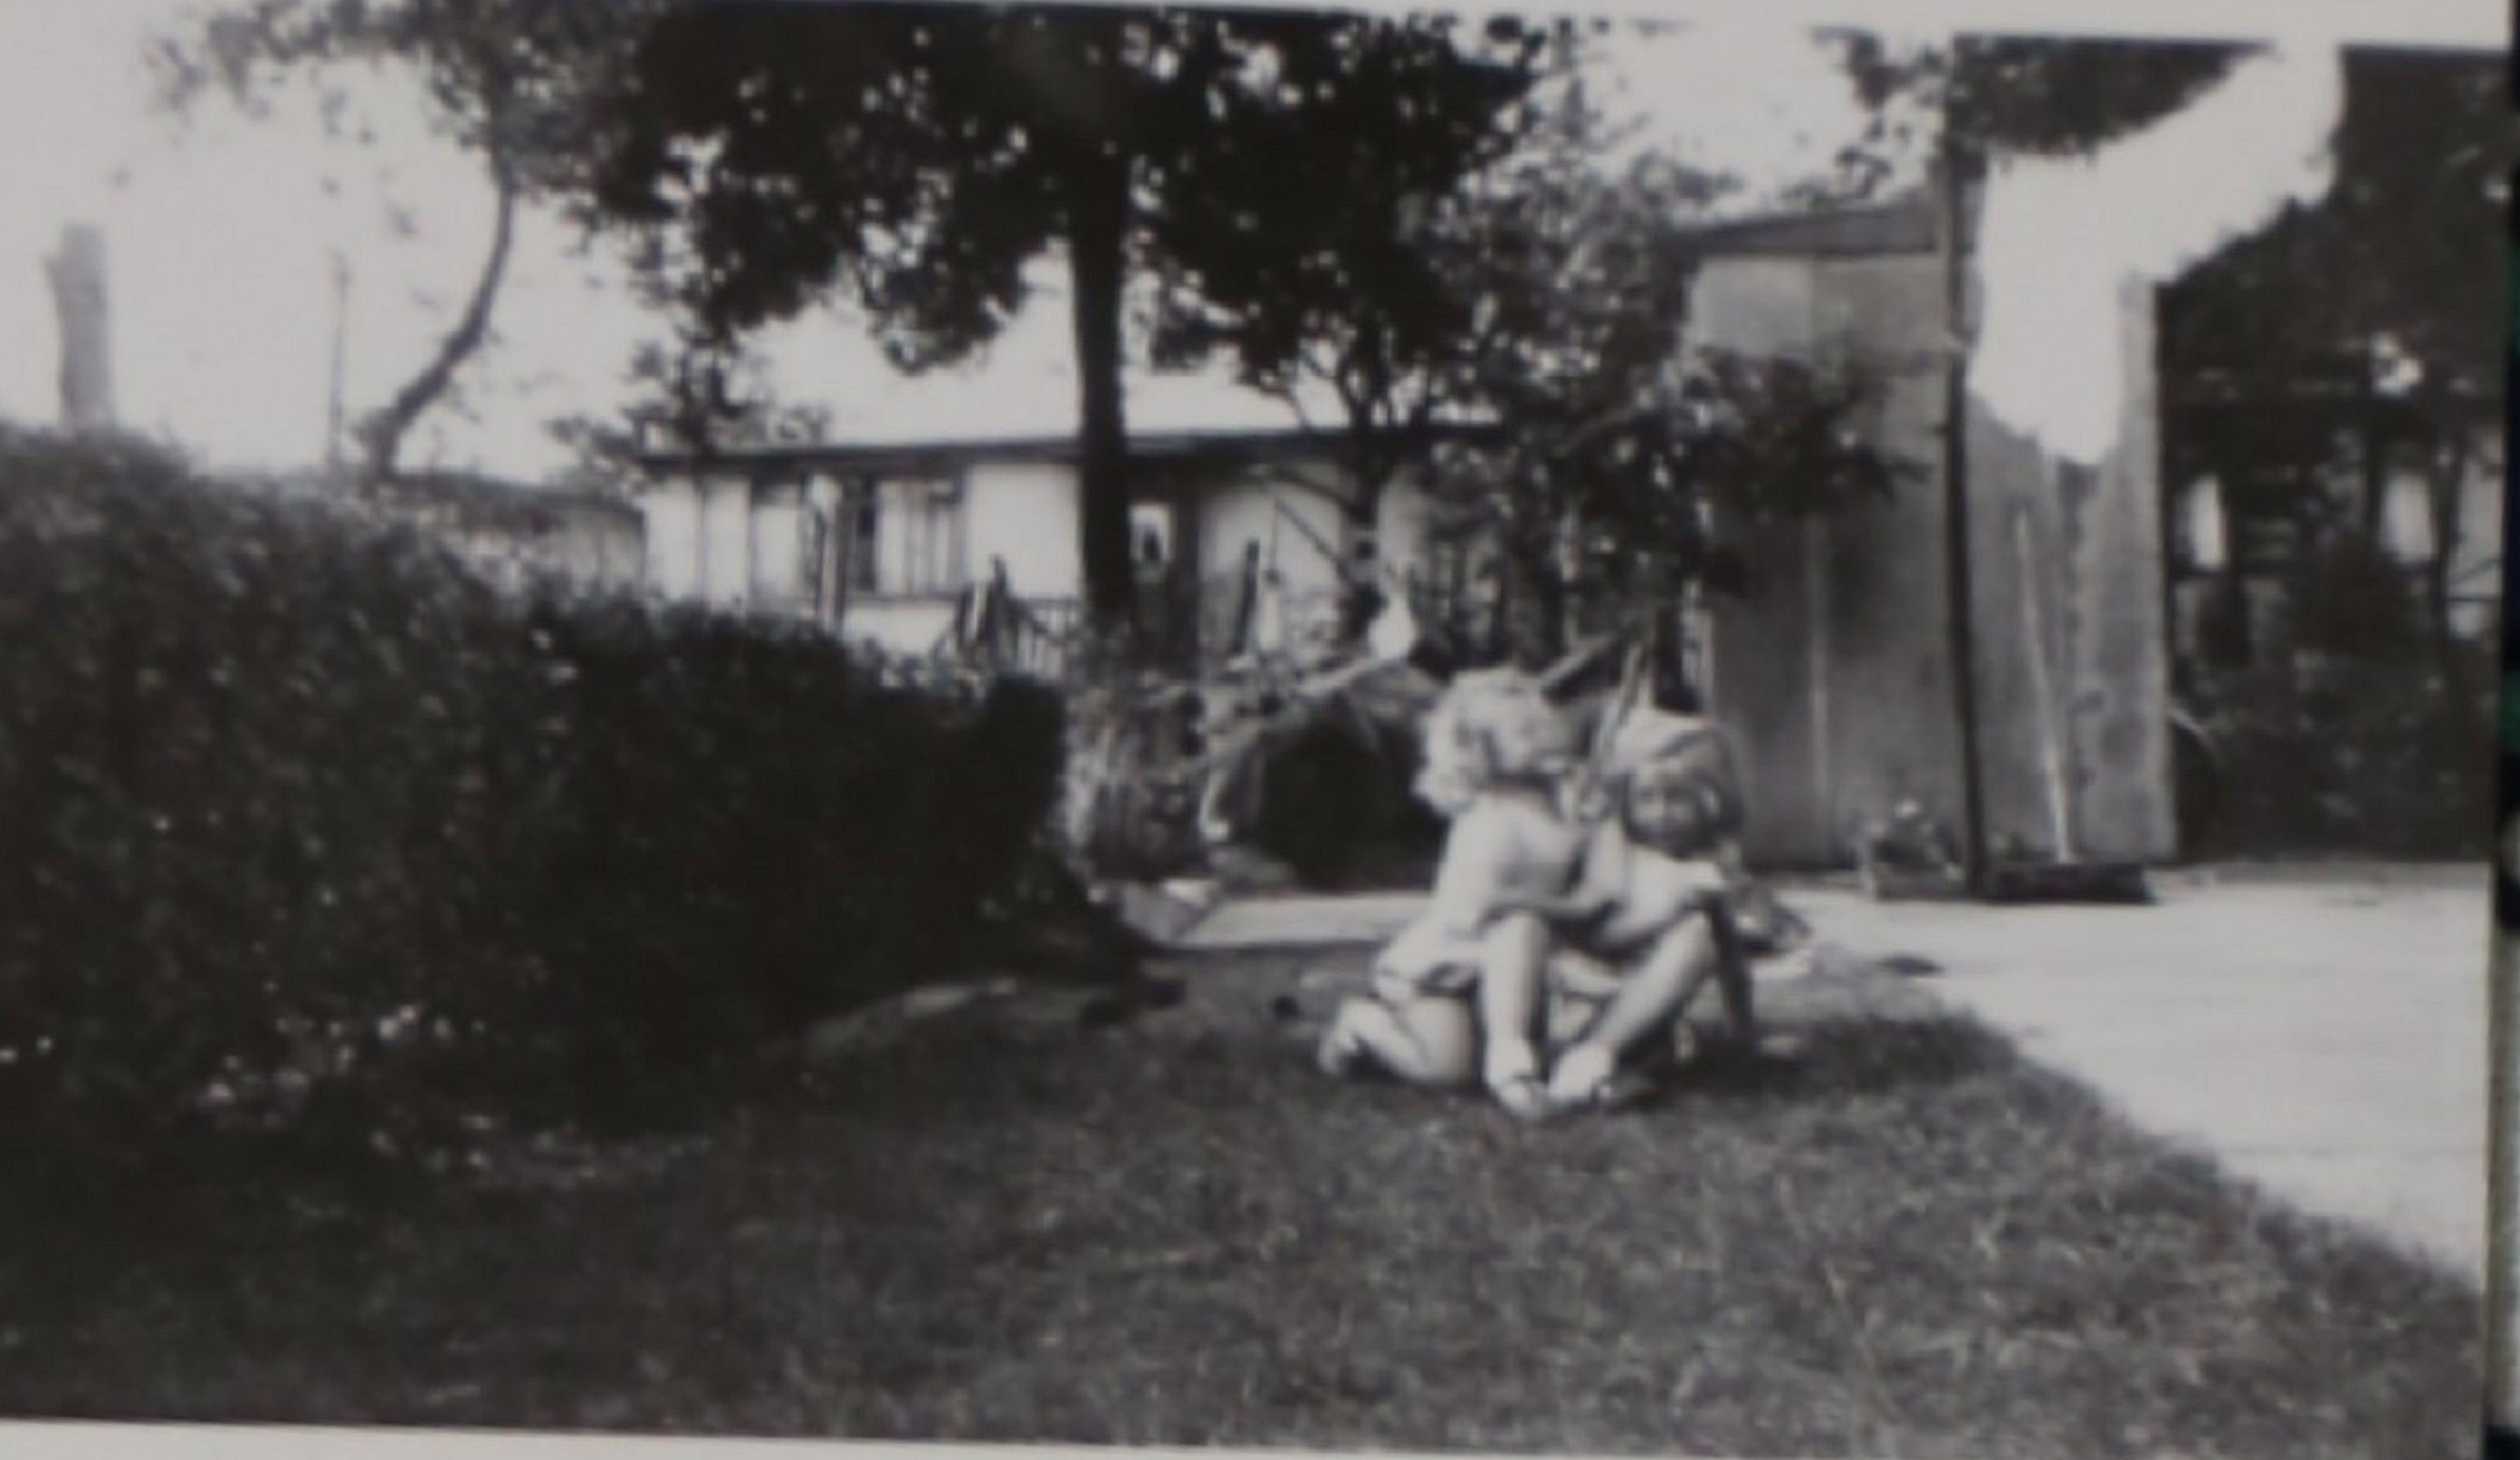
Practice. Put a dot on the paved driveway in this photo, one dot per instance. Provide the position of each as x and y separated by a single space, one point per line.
2323 1033
2325 1036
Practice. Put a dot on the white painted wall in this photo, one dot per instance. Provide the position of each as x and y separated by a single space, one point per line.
1025 513
1247 510
726 542
1402 524
671 510
823 495
776 574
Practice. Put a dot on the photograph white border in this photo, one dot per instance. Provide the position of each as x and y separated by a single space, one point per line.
2472 25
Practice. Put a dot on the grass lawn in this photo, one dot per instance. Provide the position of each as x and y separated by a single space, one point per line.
1908 1242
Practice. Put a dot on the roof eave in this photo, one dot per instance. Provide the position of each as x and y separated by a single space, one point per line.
948 454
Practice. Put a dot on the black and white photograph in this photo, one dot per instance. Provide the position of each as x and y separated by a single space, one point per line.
1686 729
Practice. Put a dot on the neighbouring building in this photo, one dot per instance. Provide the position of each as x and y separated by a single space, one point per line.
931 484
2261 479
511 536
881 541
517 537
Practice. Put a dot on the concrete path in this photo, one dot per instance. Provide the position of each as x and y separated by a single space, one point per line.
1272 922
2321 1034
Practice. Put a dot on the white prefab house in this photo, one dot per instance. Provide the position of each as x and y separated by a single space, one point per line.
926 485
881 541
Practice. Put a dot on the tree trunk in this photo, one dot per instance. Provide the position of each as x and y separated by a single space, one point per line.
1363 593
1097 267
385 431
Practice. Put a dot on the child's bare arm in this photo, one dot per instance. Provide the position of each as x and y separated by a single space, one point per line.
1480 861
1566 907
1596 888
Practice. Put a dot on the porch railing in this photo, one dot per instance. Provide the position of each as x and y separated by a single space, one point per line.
995 630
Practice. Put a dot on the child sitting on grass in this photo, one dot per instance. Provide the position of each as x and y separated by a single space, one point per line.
1498 753
1644 927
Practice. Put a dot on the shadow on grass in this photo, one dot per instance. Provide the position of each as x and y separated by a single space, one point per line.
1905 1241
1839 1059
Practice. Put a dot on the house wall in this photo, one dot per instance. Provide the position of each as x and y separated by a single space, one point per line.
726 541
774 575
671 510
826 496
593 545
1024 515
602 548
699 537
1403 523
1253 506
735 544
1832 673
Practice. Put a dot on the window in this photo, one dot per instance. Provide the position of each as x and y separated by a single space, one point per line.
907 537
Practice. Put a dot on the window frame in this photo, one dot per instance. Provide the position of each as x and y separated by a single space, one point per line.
877 565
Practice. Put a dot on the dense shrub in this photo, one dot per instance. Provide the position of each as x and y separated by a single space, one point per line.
2354 756
302 828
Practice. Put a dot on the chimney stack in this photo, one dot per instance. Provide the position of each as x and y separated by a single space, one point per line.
87 355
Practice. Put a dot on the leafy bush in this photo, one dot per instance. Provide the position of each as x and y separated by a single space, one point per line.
303 828
2368 756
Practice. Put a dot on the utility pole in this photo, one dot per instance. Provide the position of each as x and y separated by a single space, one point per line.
1960 602
340 334
78 279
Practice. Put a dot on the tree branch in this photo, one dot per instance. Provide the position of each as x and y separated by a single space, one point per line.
383 434
1280 474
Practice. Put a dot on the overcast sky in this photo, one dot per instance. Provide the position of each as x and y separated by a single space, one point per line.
221 236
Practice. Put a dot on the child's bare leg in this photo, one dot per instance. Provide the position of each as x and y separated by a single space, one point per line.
1650 1001
1432 1041
1661 990
1511 983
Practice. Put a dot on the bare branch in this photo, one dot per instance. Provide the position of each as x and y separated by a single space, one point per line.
384 432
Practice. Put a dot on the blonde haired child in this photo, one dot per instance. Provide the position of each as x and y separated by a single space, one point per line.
1645 926
1464 974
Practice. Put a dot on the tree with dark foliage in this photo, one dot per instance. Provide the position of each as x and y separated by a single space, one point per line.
1981 97
913 162
1344 285
918 160
1621 456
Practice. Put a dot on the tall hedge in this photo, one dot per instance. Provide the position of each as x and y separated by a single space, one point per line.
303 828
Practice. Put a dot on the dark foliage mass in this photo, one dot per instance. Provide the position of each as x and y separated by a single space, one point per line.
302 832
